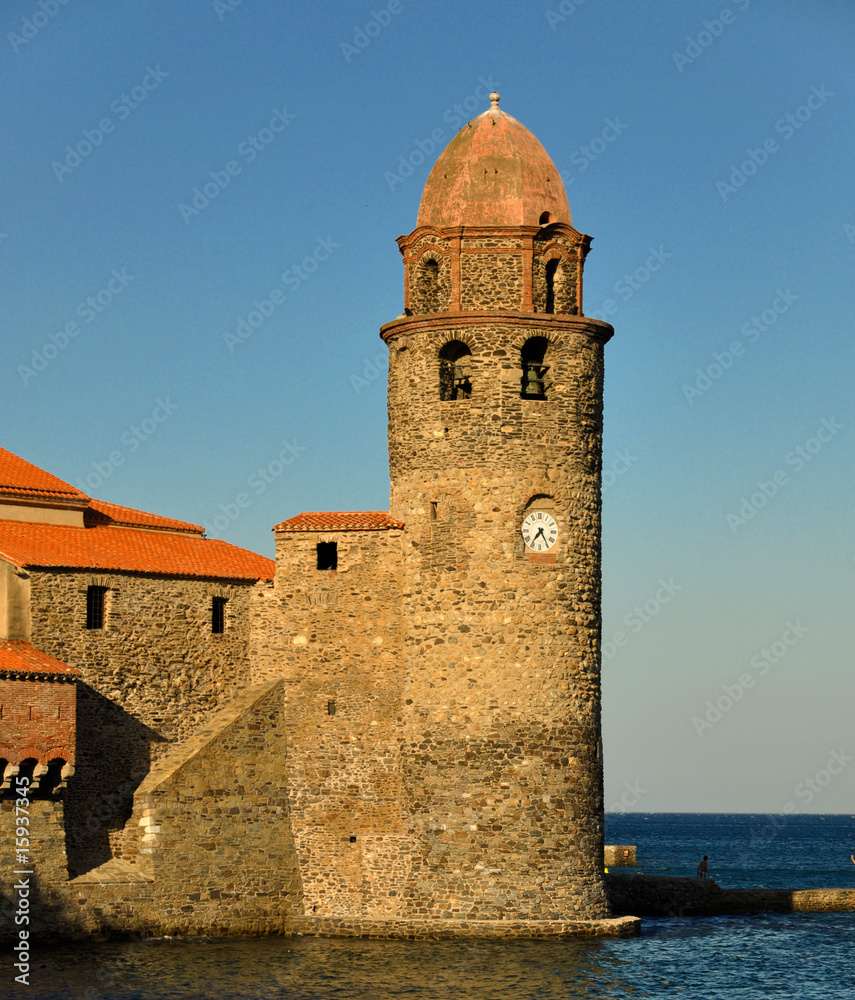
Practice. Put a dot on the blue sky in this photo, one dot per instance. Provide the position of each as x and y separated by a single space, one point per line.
707 147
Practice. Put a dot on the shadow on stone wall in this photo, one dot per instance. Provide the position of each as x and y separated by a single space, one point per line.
113 757
47 913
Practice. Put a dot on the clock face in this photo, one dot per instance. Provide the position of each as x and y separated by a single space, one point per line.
539 530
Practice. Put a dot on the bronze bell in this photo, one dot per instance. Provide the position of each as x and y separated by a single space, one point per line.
461 372
533 385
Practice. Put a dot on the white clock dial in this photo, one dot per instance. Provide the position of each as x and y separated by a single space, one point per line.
539 530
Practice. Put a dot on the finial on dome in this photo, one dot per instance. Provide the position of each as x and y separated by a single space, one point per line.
494 101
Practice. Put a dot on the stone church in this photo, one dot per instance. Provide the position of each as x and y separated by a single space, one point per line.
393 729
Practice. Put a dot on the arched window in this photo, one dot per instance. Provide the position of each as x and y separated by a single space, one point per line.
551 272
534 368
429 285
455 368
544 218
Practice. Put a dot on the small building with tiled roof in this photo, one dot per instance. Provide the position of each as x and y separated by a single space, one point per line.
28 493
39 706
354 520
120 630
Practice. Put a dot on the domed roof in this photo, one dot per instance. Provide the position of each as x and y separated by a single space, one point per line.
494 172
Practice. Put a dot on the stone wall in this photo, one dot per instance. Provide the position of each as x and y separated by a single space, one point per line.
502 268
667 896
502 776
491 278
334 636
557 243
46 859
216 854
152 675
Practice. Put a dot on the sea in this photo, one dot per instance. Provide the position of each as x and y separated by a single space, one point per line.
803 956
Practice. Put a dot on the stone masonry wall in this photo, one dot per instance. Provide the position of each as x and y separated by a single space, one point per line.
491 278
334 636
501 761
551 244
210 834
497 269
151 676
45 859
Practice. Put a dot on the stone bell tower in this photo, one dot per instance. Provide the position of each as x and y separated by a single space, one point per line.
495 430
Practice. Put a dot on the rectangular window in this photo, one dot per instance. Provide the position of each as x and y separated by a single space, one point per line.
218 615
95 601
327 555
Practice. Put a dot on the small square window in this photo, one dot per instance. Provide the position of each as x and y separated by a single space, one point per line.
95 602
218 615
327 555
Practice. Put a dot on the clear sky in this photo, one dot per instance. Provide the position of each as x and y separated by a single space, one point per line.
173 171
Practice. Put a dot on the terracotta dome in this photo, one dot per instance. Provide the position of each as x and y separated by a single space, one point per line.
494 172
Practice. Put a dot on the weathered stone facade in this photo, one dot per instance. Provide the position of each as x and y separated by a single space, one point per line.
334 636
127 717
501 653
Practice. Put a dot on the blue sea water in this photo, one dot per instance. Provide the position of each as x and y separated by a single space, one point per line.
799 956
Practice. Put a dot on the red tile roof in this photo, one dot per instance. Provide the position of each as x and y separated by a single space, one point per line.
18 657
21 480
354 520
131 550
99 512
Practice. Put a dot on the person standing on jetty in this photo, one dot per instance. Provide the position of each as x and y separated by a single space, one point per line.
703 869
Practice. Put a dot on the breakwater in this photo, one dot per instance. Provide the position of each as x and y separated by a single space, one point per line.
669 896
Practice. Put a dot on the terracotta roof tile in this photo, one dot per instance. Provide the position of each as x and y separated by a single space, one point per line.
22 480
122 549
354 520
99 512
18 657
